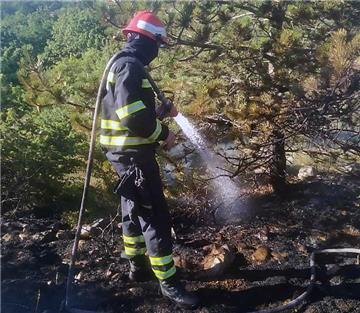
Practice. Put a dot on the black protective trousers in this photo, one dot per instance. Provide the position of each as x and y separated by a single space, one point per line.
145 215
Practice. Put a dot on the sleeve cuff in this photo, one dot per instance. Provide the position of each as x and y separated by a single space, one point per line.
164 133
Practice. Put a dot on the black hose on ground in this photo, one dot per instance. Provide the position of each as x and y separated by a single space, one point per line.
297 301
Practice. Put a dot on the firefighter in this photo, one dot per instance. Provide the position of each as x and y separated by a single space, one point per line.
130 134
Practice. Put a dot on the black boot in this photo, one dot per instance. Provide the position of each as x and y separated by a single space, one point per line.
175 291
140 269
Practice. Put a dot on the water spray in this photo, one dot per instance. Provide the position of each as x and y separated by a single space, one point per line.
224 187
227 191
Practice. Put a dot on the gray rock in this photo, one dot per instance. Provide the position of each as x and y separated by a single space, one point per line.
306 172
85 232
93 230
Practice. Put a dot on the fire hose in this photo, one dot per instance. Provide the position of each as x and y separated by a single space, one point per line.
162 110
304 295
89 164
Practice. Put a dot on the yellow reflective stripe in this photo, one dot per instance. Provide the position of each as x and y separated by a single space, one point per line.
156 132
130 109
123 141
165 275
134 251
161 260
133 239
110 124
145 83
111 78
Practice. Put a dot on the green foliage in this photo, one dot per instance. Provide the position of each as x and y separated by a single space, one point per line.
39 150
265 65
23 32
75 31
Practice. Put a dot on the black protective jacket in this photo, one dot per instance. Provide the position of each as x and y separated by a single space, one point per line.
129 122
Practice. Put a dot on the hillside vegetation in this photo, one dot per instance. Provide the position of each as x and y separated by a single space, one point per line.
271 85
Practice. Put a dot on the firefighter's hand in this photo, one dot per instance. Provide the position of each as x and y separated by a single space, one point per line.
169 141
173 112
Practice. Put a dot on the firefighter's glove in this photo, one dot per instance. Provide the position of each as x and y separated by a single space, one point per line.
169 141
166 109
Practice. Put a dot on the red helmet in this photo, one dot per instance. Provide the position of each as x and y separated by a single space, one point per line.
147 24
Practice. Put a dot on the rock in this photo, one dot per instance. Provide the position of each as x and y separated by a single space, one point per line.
24 236
85 232
88 231
306 172
218 261
7 237
261 254
81 245
78 276
351 230
64 234
260 170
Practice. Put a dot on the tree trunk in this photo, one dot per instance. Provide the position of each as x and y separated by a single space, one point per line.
278 164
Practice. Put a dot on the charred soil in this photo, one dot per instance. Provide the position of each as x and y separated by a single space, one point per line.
264 260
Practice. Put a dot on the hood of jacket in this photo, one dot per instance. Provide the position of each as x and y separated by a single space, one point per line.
144 49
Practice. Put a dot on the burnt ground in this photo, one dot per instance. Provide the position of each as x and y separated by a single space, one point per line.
270 263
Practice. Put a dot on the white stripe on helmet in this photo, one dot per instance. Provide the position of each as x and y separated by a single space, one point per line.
151 28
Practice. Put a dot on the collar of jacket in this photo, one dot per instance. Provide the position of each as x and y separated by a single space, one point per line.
144 49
